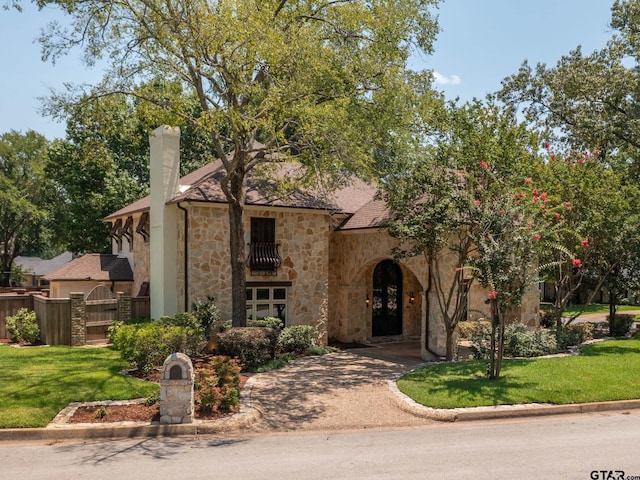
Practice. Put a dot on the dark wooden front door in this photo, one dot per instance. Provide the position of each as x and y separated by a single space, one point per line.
387 299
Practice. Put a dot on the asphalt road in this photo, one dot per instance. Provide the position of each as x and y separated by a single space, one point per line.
588 446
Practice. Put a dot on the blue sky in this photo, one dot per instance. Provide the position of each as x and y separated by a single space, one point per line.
480 43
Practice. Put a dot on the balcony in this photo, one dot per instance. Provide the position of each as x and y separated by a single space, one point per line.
264 258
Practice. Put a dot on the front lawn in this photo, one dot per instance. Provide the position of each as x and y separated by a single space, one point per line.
603 371
37 382
572 310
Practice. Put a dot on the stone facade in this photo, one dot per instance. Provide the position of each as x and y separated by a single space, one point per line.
303 237
328 274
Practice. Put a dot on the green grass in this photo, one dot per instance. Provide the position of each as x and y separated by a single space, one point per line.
37 382
571 310
603 371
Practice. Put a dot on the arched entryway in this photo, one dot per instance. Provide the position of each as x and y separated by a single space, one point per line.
387 299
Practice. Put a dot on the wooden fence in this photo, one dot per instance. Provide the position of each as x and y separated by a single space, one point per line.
54 315
9 306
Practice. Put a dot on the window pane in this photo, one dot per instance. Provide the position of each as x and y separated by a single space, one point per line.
249 294
262 294
279 293
262 310
249 312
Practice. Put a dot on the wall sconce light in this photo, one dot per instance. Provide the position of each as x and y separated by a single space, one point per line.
367 300
412 298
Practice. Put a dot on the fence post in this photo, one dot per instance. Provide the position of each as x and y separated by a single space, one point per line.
78 320
124 306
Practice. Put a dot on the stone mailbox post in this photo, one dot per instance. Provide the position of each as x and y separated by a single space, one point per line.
176 390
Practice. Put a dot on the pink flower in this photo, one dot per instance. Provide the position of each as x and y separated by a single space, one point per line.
577 263
581 161
558 216
527 181
546 145
585 243
543 196
536 237
567 205
535 199
493 295
484 164
502 211
477 201
596 152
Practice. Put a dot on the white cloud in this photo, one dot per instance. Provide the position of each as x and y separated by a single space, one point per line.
443 80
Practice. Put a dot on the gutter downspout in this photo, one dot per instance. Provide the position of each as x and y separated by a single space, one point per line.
186 256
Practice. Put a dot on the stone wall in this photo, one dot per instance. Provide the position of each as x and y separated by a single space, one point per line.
353 258
304 247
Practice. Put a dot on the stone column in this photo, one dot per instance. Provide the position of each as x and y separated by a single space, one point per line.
176 390
124 306
78 320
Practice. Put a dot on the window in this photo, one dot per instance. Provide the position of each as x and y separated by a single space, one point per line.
264 258
267 301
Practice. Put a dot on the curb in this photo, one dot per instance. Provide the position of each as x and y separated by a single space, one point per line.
58 429
504 411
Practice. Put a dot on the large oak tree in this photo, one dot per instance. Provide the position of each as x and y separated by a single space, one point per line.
324 81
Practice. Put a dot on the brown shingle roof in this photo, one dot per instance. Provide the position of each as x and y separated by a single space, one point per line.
94 266
203 185
373 215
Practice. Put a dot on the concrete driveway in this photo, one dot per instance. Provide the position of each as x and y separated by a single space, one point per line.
344 390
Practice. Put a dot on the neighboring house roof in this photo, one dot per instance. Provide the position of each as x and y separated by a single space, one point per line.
203 185
39 267
94 266
374 214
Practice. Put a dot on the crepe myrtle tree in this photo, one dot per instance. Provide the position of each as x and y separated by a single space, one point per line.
462 152
325 82
510 232
598 220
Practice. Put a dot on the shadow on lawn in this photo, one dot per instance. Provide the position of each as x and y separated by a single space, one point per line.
468 381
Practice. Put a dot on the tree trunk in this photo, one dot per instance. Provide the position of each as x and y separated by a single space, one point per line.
237 247
612 311
450 344
492 364
500 346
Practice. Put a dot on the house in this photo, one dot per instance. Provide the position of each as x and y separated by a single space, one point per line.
35 268
313 258
83 274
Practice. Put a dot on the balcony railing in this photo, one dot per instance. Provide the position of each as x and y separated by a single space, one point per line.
264 258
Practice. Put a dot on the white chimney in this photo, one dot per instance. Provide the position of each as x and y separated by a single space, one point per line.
163 219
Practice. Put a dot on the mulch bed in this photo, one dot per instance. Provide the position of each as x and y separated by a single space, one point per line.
144 413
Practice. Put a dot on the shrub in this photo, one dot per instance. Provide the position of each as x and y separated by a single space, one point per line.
547 318
317 350
23 327
219 391
472 328
296 338
574 334
621 324
208 315
519 342
271 322
146 345
252 346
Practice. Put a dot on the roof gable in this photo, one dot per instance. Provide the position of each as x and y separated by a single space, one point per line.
94 266
263 188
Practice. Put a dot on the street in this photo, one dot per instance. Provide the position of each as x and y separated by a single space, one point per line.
568 447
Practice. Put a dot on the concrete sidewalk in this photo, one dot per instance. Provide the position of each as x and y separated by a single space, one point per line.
352 389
